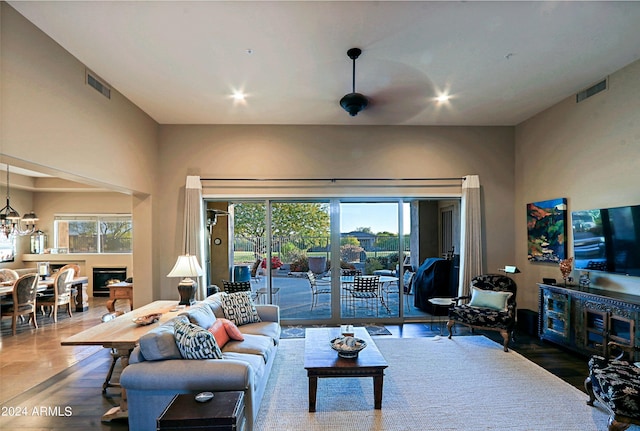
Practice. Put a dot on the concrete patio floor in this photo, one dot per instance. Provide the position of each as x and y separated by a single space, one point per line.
293 295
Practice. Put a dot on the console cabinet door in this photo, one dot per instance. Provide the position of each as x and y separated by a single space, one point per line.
594 333
556 312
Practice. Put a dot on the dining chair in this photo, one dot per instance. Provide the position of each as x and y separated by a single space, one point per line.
7 275
23 300
74 273
60 296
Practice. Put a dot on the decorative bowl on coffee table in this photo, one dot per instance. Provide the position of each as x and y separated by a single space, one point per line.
348 347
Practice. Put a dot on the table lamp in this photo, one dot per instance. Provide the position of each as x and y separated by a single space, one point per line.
186 266
510 269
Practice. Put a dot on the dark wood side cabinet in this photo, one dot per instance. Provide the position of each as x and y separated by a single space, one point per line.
586 319
224 412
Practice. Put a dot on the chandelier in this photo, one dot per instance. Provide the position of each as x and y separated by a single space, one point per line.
10 221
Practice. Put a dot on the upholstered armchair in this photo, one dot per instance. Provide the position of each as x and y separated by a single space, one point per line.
615 384
492 306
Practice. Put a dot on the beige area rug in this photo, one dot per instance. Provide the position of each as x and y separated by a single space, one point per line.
467 383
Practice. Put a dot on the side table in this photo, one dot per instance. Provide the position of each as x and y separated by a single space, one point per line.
224 412
122 290
441 302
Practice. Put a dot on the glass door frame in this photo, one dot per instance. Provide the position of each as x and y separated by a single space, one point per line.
335 237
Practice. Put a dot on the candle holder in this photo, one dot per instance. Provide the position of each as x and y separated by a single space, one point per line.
43 270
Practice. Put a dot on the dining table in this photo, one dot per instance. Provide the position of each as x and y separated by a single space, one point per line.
77 283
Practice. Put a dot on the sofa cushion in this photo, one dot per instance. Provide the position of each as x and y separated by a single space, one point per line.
252 344
200 314
268 329
239 308
256 364
160 343
195 342
215 303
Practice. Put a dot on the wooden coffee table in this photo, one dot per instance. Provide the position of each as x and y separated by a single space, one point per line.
321 361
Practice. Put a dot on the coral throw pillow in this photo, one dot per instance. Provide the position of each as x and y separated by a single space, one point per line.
224 330
232 330
219 333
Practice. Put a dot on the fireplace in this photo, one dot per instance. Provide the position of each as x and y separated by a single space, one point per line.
104 276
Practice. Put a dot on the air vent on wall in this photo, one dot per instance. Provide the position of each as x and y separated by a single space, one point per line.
95 82
592 91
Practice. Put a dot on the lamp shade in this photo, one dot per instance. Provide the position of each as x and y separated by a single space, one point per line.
186 266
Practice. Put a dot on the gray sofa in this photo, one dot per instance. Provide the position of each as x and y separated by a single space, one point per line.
156 370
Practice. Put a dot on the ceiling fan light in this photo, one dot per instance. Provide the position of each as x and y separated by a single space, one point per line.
354 103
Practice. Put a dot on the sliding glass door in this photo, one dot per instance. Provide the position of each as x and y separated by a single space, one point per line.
311 256
371 252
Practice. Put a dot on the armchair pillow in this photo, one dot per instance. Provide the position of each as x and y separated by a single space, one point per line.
239 308
489 299
195 342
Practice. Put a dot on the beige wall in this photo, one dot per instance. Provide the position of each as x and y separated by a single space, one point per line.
50 121
587 153
338 151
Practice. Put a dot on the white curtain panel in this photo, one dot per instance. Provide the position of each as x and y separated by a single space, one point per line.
192 240
471 233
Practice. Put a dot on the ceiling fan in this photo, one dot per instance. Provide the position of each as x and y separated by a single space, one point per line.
354 102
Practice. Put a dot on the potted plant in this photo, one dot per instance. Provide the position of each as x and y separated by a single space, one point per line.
276 263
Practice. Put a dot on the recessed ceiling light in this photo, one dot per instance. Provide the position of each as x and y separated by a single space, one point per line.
442 98
238 96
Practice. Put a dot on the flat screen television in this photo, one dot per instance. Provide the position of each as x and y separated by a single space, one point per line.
607 239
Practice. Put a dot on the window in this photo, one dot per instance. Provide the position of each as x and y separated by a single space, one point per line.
111 233
7 248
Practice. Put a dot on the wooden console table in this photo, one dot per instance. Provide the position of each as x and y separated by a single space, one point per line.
123 335
122 290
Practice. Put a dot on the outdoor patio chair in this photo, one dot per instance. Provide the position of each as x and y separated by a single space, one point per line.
255 270
236 286
316 290
366 289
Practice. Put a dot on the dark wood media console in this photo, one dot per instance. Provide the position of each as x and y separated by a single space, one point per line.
586 319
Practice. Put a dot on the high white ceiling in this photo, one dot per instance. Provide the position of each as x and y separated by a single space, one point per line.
501 62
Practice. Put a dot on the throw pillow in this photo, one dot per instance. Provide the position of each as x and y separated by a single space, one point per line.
224 330
219 333
492 299
232 330
239 308
195 342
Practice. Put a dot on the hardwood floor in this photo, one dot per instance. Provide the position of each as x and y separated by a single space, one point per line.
36 372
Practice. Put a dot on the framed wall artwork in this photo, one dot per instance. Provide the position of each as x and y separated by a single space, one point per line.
546 230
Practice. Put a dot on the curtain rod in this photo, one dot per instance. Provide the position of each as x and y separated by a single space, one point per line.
333 180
